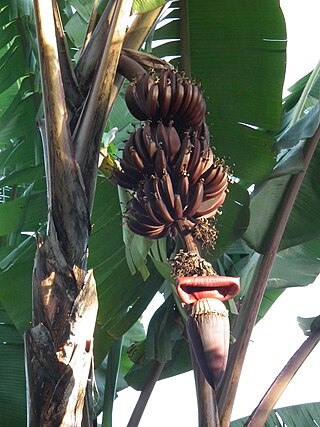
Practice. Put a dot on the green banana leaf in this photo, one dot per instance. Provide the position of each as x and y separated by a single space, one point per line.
241 72
131 339
306 415
13 389
301 225
142 6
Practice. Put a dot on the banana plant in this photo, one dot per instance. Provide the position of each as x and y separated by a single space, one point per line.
83 51
75 105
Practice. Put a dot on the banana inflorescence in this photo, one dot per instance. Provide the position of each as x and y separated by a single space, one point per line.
167 162
178 185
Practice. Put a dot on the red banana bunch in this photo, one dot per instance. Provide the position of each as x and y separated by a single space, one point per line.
167 162
169 96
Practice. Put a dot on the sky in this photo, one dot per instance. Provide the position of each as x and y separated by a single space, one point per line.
276 337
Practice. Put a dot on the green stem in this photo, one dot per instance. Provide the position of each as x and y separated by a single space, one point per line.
11 239
301 103
177 300
250 308
260 414
110 388
145 395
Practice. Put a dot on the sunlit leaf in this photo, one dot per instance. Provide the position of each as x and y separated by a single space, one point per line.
301 226
306 415
142 6
302 129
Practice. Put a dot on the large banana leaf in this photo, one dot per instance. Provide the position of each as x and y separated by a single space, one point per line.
306 415
12 390
301 226
292 267
238 55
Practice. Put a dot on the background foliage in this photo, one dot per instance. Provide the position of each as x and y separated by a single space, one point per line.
237 51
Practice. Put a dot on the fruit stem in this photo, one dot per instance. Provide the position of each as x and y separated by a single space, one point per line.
186 236
208 415
145 394
129 68
259 416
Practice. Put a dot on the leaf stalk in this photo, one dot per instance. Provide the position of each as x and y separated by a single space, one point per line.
260 414
250 308
145 395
